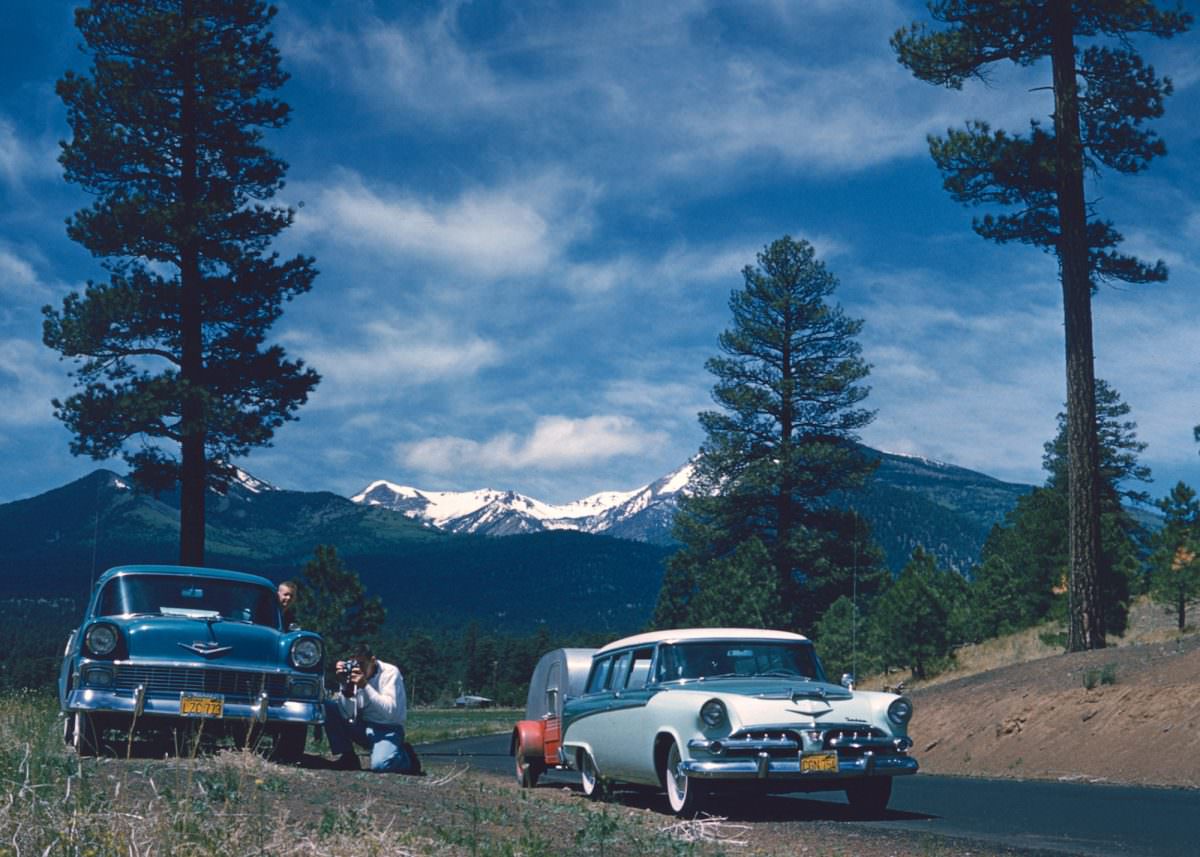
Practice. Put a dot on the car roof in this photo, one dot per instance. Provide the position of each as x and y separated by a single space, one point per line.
685 634
188 571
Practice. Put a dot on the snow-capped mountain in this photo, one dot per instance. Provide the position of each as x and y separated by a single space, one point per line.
644 514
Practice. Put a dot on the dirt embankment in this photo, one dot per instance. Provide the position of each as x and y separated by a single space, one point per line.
1138 722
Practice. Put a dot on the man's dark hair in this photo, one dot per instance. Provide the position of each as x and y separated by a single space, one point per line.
363 652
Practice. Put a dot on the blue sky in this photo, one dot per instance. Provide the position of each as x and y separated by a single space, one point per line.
529 216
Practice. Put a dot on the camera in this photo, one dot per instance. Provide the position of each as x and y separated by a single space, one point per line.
343 675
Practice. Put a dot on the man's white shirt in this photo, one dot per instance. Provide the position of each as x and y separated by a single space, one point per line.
381 701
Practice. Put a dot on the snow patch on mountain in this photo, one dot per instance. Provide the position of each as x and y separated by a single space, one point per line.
250 482
643 513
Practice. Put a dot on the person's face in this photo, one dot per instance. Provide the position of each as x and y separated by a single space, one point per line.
286 595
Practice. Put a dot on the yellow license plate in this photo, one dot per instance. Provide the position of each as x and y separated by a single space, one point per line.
195 705
819 763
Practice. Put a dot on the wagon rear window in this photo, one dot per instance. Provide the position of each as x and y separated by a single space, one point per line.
173 595
738 658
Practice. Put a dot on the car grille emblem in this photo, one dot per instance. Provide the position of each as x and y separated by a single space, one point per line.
206 648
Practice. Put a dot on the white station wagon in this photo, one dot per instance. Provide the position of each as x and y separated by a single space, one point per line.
710 709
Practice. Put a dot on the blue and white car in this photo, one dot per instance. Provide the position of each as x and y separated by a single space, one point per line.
163 647
701 710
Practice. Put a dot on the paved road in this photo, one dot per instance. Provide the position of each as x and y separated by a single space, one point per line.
1070 818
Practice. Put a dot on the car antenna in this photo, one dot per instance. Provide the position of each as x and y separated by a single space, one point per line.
854 599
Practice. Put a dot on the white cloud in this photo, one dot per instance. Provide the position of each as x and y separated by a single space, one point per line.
517 229
17 277
29 379
1153 363
662 90
556 443
21 159
384 357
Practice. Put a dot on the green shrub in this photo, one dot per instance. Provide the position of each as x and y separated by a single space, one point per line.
1094 676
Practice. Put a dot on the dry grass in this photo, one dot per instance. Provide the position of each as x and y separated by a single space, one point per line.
1148 623
237 803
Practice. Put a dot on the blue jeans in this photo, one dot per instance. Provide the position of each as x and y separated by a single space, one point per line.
385 741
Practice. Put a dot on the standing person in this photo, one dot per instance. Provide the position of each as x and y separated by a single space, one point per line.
369 709
286 593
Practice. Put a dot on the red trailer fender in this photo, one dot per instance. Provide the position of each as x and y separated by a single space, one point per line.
528 738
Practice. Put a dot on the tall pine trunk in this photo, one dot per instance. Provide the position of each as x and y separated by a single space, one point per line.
192 472
1086 629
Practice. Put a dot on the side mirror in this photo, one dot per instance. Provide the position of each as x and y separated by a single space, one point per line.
848 681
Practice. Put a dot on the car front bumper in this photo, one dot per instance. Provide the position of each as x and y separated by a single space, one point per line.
764 766
135 704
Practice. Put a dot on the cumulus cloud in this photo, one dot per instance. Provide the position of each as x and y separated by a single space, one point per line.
383 357
514 229
556 443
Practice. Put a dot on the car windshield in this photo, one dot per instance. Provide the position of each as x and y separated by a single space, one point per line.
738 658
194 597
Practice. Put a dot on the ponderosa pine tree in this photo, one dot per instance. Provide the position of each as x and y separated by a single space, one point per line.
1024 564
168 138
1122 537
1175 574
789 383
911 622
1102 97
332 601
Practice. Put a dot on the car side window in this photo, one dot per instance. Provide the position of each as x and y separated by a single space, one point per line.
668 668
598 680
640 670
620 670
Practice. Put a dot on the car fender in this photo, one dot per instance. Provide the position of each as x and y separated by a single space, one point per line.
662 745
569 752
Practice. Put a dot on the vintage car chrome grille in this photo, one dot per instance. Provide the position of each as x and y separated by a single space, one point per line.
235 684
750 742
850 740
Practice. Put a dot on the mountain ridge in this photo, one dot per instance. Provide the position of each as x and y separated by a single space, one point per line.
559 578
493 512
906 489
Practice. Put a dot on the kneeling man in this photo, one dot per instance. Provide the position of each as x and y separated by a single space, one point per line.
370 710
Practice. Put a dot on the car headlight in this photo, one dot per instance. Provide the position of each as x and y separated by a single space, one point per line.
900 711
713 713
306 653
101 639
